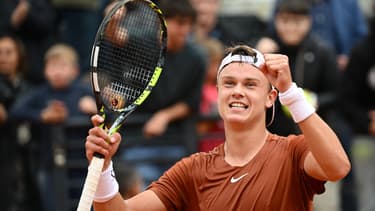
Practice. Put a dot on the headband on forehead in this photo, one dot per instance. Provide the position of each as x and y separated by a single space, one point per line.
256 60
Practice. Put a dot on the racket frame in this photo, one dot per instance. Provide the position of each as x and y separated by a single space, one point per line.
97 163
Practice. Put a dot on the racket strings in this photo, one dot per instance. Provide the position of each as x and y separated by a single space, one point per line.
130 48
142 36
117 96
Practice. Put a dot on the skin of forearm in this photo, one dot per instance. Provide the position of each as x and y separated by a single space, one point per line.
177 111
325 147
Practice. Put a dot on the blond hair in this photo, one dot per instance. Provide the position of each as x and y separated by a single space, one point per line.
61 50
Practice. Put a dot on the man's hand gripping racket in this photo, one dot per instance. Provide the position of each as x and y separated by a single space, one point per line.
126 61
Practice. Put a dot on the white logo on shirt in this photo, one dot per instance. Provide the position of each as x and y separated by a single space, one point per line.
234 180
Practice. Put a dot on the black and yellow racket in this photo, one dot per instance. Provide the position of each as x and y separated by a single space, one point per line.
126 61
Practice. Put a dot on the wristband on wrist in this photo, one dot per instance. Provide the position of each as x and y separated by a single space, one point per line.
107 187
296 102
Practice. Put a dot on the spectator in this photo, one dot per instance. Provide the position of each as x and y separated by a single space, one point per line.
357 101
210 122
175 99
215 52
207 19
358 84
130 181
52 104
340 24
78 21
34 23
313 65
12 85
229 29
244 28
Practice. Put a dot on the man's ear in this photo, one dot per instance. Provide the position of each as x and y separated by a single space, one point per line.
272 96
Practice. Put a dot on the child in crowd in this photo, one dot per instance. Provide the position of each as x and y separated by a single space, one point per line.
61 98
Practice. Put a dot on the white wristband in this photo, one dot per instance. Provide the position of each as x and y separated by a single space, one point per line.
107 186
295 100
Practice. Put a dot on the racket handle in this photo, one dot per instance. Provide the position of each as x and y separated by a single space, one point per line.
91 183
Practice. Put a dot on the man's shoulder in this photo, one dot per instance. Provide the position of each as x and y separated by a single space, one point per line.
286 140
204 156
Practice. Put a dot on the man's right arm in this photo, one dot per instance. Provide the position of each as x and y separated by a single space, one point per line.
146 200
99 141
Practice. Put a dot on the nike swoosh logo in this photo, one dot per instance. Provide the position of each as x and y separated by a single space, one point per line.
234 180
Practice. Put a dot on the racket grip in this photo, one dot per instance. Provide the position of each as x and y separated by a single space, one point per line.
91 183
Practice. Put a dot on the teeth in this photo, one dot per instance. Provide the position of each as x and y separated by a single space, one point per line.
238 105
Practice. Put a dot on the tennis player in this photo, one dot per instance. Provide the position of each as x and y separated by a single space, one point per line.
253 169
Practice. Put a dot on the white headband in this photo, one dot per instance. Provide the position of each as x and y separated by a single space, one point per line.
256 60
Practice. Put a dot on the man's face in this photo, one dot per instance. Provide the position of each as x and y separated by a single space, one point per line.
179 29
292 28
9 57
243 94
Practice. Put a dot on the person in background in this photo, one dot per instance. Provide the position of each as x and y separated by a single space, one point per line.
358 84
130 181
77 22
357 102
174 101
314 68
312 63
341 24
51 104
215 52
338 23
34 22
207 19
61 97
210 123
12 86
254 168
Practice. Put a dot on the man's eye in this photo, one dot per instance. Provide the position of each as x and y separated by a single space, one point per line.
228 83
250 84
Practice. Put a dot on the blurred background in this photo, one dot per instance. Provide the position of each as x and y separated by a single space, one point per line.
46 99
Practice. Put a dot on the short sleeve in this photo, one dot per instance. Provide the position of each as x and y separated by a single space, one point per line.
299 149
172 188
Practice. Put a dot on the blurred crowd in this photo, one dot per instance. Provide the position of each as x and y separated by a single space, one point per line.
45 48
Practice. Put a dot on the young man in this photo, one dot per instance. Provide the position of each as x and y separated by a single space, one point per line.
253 169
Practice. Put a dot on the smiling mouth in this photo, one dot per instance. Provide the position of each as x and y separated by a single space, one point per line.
238 105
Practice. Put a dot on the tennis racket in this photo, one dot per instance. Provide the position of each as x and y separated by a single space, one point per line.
126 61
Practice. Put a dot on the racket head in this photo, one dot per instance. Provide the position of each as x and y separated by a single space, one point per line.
127 58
